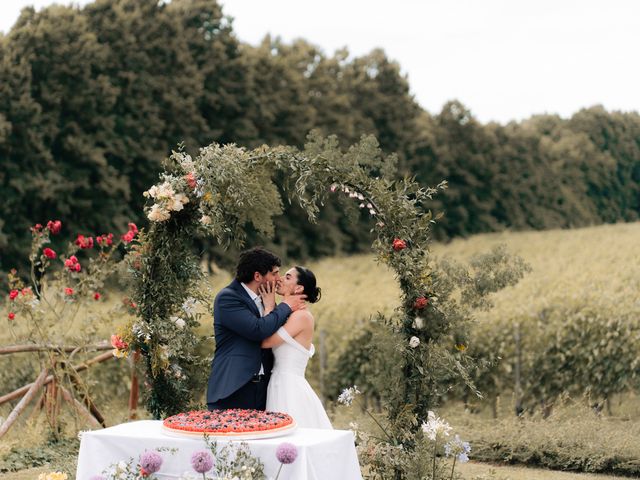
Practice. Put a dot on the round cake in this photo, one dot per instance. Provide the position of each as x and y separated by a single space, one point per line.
233 423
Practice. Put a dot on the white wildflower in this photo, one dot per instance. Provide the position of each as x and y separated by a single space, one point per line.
418 322
189 306
205 220
435 427
458 448
348 395
414 342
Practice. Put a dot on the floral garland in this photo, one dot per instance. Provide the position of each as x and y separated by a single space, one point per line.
227 187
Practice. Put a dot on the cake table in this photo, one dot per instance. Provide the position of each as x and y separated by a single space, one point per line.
322 454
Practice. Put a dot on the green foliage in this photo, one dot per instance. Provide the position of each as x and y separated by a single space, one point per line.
225 189
574 348
59 454
373 358
572 439
92 99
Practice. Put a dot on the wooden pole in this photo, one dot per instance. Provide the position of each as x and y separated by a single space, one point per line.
517 370
76 383
79 407
46 348
31 392
135 388
80 367
51 401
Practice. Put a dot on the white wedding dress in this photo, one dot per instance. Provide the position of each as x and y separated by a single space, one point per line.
288 390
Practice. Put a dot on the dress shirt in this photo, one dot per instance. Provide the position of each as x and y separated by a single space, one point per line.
257 299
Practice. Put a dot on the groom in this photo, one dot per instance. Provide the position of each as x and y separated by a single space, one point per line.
241 369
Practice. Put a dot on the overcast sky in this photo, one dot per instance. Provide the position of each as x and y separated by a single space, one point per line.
504 59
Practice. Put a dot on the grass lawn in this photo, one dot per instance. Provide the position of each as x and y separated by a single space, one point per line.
474 470
468 470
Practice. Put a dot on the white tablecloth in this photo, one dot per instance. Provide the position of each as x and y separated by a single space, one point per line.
322 454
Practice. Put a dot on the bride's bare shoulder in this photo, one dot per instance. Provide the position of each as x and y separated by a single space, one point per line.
302 316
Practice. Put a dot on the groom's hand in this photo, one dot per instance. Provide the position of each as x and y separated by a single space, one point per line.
295 302
268 294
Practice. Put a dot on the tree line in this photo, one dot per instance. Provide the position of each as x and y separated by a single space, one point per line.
93 99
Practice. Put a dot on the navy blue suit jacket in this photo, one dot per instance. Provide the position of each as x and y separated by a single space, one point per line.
239 331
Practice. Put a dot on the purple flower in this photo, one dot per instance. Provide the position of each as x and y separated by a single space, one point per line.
202 461
150 462
286 453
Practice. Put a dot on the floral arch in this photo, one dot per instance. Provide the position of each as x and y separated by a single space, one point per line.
226 187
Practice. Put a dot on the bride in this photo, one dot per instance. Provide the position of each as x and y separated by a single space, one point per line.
288 391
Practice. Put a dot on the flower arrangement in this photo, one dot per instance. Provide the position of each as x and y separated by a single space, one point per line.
57 308
425 460
232 461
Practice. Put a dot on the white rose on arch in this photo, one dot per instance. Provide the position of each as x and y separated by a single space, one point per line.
180 323
414 342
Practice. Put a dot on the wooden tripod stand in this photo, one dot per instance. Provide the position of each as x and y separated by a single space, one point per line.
50 390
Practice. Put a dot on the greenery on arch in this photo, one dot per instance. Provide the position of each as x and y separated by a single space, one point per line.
224 189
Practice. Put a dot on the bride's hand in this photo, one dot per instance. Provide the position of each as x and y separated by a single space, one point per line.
268 294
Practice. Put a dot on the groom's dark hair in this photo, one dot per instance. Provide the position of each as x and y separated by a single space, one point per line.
255 259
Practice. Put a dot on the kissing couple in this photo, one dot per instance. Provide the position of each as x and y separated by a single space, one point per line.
262 348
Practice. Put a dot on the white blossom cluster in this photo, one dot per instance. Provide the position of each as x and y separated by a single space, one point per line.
356 196
189 306
435 427
166 201
348 395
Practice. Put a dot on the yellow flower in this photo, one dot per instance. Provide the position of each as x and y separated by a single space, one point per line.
207 197
461 347
53 476
118 354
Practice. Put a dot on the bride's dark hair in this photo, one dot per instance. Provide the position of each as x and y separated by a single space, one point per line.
307 279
